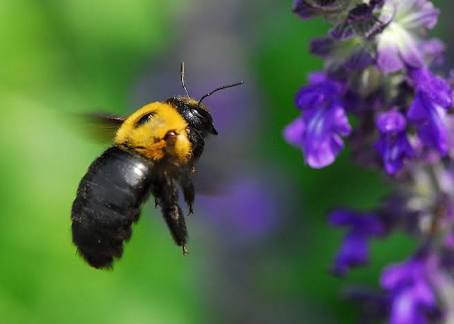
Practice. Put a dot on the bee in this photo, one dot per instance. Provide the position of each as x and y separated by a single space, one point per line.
154 152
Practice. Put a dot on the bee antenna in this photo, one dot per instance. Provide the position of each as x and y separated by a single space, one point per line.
219 89
182 79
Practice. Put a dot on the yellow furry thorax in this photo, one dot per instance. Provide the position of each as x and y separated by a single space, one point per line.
151 138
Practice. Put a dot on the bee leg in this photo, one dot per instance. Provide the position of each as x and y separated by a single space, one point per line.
167 198
188 191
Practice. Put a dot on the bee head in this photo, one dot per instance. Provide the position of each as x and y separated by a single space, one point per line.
195 113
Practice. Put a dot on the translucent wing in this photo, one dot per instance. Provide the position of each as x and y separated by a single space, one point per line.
100 126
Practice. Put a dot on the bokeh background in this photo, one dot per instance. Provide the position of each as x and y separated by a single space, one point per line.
260 244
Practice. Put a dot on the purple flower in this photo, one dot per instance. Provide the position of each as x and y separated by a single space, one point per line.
318 132
409 109
304 9
430 120
412 297
398 45
393 144
428 110
435 88
354 251
433 50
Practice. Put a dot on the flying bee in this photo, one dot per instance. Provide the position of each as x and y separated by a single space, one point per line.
154 152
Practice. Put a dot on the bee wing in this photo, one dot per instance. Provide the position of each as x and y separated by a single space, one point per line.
100 126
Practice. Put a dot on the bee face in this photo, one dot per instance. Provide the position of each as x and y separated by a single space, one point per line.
155 131
197 115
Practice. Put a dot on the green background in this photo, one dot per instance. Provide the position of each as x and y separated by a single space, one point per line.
60 58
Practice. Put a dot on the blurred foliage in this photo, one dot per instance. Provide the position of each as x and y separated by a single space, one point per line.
58 58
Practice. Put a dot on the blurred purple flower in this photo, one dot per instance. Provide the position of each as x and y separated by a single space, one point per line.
433 50
430 120
304 9
354 251
398 45
434 87
318 132
393 144
412 297
428 110
409 108
249 208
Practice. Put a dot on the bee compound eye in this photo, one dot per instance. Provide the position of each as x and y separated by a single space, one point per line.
144 119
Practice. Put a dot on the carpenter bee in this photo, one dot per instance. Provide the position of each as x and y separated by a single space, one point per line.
154 152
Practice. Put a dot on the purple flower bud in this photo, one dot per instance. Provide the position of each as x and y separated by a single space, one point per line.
304 9
321 92
412 297
433 50
354 251
318 132
430 120
393 144
435 88
359 59
323 46
428 110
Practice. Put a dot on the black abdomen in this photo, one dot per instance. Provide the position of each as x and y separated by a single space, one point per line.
108 202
